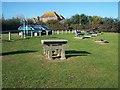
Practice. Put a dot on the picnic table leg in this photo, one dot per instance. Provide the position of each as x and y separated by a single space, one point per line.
50 54
58 52
63 54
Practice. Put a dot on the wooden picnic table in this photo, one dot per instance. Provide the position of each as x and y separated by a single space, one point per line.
54 45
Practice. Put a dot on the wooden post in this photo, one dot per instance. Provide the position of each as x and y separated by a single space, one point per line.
57 31
24 33
35 34
31 33
69 31
52 32
39 33
27 32
9 36
62 31
74 31
21 34
46 32
66 31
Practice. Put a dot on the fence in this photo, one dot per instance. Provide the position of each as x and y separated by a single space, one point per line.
25 33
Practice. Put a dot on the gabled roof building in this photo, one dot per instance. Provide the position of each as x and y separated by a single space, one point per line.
51 16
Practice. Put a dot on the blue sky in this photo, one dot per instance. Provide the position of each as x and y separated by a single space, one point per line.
60 0
67 9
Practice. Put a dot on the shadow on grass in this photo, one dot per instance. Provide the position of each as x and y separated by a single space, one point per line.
73 53
17 52
13 40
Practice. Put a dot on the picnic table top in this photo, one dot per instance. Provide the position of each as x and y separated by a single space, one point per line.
54 41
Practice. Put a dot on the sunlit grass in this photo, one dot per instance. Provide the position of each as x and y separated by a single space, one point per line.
89 64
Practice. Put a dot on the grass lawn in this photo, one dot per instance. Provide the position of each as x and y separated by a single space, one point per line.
88 65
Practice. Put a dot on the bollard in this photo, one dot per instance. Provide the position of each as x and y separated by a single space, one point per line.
9 36
40 33
74 31
27 32
46 32
31 33
52 32
69 31
66 31
24 33
21 34
62 31
35 34
57 31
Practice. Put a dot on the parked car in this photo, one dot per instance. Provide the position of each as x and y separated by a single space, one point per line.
36 29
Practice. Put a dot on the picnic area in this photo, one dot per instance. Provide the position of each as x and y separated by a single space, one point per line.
88 64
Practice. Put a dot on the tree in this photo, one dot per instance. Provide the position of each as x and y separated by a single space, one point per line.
54 24
20 18
30 21
83 19
10 24
75 19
